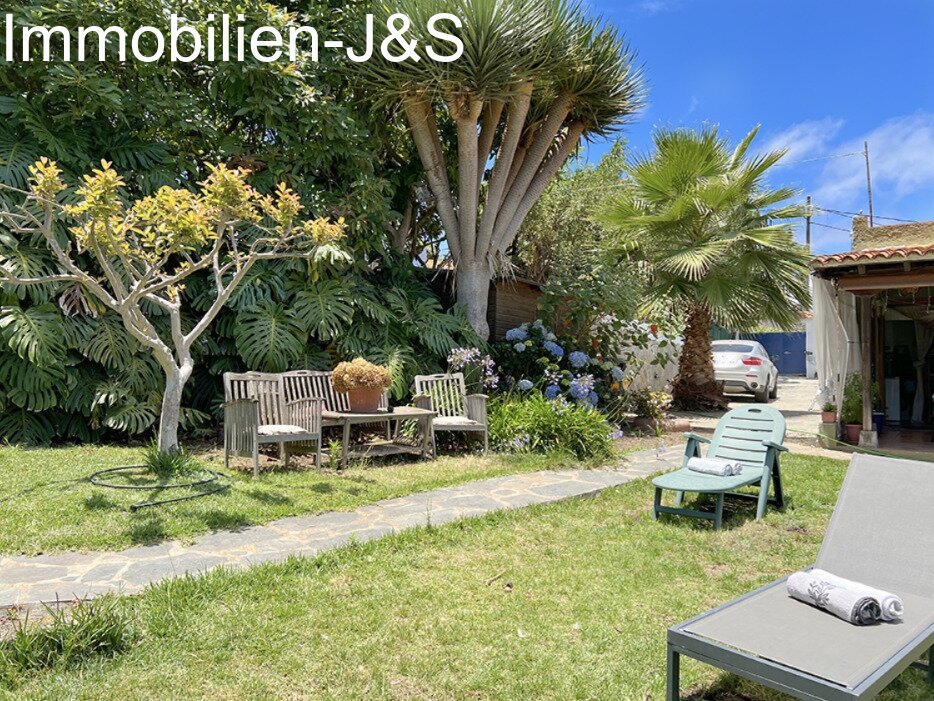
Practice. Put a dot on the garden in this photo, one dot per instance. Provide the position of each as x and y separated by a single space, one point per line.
238 299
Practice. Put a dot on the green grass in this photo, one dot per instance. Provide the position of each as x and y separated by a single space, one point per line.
568 601
48 505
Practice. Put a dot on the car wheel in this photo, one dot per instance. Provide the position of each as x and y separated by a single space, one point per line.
762 396
774 393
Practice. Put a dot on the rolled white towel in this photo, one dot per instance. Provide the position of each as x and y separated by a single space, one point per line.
715 466
845 599
893 608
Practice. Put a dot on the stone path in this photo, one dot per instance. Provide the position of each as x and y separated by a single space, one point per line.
67 576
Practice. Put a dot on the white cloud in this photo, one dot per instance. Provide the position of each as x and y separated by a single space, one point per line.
804 139
653 7
902 159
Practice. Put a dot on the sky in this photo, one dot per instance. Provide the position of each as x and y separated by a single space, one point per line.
820 77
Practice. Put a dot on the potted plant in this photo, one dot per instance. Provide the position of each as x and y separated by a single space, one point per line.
851 411
829 413
363 382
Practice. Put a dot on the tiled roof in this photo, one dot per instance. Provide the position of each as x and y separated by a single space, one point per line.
877 255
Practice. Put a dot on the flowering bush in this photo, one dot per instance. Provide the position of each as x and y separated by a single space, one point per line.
360 374
533 356
479 370
530 423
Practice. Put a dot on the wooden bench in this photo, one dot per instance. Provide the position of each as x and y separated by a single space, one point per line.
257 410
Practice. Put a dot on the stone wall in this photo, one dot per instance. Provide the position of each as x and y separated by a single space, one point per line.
890 236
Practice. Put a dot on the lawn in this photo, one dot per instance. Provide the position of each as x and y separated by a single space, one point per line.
568 601
48 505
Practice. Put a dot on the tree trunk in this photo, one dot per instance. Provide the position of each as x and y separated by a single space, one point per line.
473 288
696 386
172 408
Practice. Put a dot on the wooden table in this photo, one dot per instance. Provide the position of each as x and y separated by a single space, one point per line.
346 419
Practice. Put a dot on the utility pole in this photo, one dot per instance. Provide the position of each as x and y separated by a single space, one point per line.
868 180
807 222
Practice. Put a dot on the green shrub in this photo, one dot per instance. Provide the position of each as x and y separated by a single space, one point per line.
166 464
102 626
851 411
532 423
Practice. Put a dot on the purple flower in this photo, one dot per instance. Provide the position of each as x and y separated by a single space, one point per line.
525 385
459 358
615 433
552 391
578 359
581 387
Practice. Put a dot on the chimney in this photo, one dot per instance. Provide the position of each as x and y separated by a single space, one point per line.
861 233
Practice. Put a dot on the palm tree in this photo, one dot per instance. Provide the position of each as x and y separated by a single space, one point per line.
535 77
716 242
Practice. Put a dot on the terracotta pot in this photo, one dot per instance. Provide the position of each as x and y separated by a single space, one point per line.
828 417
364 400
852 433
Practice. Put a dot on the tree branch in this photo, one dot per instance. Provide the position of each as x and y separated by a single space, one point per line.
515 121
538 150
564 148
421 119
466 111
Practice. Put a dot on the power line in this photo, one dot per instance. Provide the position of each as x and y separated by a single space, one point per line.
830 226
844 213
818 158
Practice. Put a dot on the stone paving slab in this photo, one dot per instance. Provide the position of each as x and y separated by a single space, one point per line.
66 576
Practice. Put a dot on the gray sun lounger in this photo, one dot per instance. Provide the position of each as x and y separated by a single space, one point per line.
881 534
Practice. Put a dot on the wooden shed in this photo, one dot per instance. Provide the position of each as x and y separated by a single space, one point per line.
511 302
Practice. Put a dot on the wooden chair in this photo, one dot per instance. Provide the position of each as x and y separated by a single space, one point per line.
457 410
256 411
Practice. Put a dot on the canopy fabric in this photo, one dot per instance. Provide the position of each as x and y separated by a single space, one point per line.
836 338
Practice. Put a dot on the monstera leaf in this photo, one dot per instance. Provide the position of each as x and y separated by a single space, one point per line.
33 333
269 338
109 343
24 427
324 308
32 387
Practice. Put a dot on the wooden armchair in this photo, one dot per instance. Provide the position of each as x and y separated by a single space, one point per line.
457 410
256 411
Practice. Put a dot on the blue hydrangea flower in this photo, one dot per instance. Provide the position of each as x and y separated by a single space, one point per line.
615 433
552 391
517 334
525 385
593 398
578 359
617 373
553 348
519 347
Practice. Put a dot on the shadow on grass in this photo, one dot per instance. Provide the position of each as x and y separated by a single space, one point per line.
100 502
265 497
217 520
147 529
65 485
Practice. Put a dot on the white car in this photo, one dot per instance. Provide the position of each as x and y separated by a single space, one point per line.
745 367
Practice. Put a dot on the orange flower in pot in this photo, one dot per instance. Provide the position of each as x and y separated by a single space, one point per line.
363 382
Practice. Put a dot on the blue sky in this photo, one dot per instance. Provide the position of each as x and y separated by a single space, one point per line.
820 77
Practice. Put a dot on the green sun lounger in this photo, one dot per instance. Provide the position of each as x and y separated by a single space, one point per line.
751 435
881 534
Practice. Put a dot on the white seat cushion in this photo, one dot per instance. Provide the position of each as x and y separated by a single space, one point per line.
455 422
279 429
